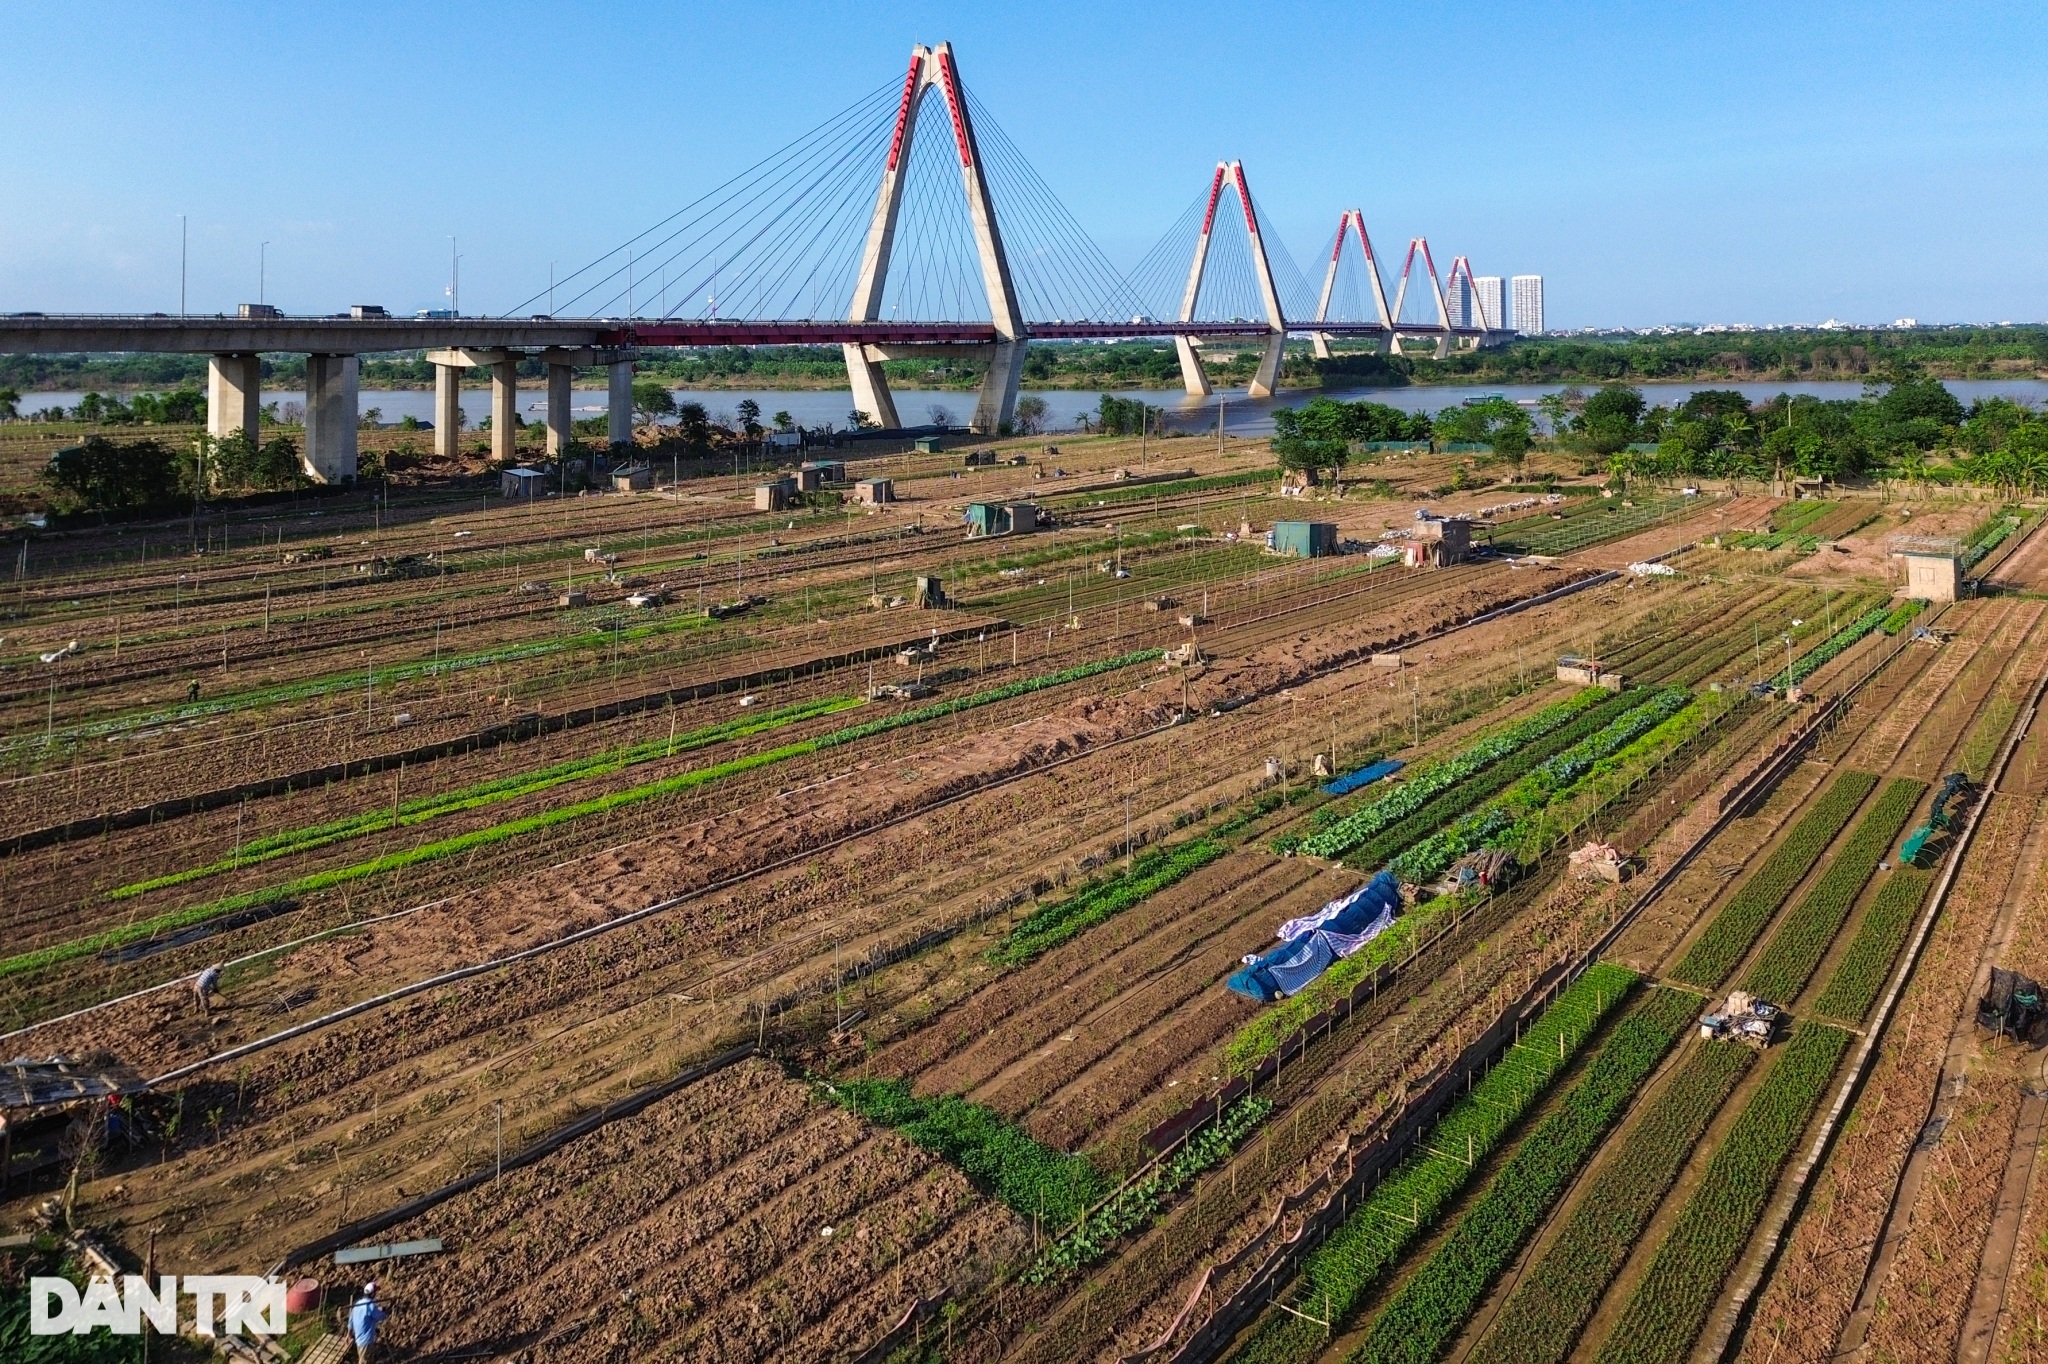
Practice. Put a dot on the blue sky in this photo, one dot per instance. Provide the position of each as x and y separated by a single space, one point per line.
1656 162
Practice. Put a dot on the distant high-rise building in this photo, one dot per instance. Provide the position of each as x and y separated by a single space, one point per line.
1492 297
1528 304
1460 301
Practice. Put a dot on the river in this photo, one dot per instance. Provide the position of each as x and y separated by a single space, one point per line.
1065 407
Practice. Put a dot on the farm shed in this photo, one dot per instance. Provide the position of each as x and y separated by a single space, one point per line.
634 478
521 482
1305 539
874 491
1933 566
928 445
775 495
1001 518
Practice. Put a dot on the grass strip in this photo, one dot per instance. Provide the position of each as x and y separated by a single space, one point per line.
1862 971
1335 1278
1555 1298
1138 1204
1426 784
1671 1301
498 833
999 1157
1149 872
494 791
1430 1310
1727 939
1793 952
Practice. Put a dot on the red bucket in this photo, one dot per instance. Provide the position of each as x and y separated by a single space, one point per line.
303 1296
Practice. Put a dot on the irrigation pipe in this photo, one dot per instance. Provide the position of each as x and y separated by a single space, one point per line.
1788 1203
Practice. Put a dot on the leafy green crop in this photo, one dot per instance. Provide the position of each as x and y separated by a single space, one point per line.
1781 972
1433 1306
1727 939
1054 923
1863 969
1447 805
1138 1204
1421 786
498 833
1556 1296
1671 1301
1031 1179
1810 662
1389 1219
1900 616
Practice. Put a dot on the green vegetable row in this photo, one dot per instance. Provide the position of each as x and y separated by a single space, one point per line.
1727 939
1810 662
1335 1278
1781 971
1488 781
1427 860
1863 969
509 829
1133 1207
1052 924
1670 1303
1900 616
1031 1179
1425 784
1433 1306
1541 1320
419 810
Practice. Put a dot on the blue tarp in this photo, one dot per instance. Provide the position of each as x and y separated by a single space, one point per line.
1310 944
1364 776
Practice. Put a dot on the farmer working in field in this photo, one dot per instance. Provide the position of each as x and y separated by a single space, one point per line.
207 984
365 1316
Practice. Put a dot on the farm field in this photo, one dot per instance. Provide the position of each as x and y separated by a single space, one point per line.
838 979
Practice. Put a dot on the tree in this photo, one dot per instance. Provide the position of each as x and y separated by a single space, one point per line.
694 424
1125 416
10 405
1304 444
235 462
784 422
651 401
1608 420
1031 413
129 476
750 417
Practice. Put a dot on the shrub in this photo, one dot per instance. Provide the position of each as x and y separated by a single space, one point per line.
102 475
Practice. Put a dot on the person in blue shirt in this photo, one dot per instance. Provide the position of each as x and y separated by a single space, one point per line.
365 1316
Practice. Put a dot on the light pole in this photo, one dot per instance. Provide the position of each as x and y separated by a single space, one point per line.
1788 663
262 269
181 265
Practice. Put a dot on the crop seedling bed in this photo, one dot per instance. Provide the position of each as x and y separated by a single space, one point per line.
1793 952
1431 1308
1335 1277
1727 939
1865 966
1557 1295
1670 1303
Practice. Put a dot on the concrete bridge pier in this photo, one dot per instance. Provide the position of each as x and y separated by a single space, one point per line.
1192 375
447 408
619 415
234 395
997 403
1266 378
330 455
504 368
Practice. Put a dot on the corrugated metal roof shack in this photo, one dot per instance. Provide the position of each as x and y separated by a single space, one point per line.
1305 539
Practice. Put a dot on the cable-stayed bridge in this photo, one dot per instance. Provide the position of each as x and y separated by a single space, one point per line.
906 225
